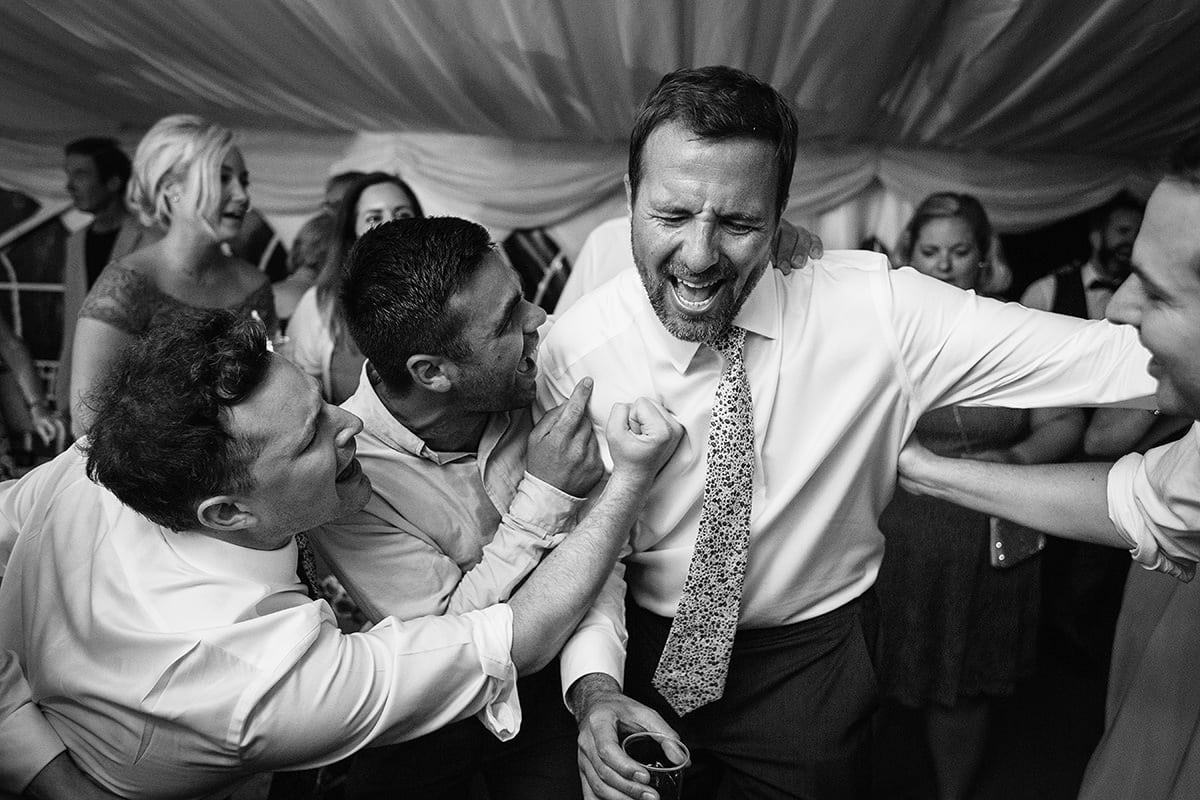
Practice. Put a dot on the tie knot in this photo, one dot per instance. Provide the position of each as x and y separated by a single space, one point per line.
731 342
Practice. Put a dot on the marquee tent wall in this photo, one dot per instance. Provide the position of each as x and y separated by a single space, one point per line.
516 112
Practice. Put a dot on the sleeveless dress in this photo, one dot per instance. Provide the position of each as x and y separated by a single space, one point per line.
950 623
129 301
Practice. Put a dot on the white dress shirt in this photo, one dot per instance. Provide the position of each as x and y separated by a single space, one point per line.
27 742
174 664
842 357
604 255
1154 500
442 532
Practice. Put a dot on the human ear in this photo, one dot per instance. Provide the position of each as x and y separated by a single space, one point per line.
225 513
628 196
432 373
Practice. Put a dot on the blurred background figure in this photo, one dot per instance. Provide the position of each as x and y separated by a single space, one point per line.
336 188
309 250
1083 289
189 179
955 630
14 357
97 171
320 344
875 245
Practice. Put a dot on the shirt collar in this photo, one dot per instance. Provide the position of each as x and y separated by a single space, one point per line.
758 315
225 558
379 422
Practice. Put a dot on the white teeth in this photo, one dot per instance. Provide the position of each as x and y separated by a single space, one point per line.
694 285
694 305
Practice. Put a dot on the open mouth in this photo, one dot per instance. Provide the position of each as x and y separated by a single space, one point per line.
528 365
693 295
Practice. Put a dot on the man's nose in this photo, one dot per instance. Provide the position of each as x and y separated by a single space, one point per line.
1125 307
700 246
535 316
348 425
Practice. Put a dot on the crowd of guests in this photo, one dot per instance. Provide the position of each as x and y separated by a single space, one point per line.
670 508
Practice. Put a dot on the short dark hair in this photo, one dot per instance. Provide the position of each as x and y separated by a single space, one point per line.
1183 164
717 103
1123 200
160 441
397 286
110 159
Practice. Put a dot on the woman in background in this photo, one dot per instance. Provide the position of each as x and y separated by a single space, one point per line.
309 250
956 631
320 344
189 179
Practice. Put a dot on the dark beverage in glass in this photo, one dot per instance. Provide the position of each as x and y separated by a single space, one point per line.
666 776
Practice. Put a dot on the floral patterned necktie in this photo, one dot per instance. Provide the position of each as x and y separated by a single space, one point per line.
695 660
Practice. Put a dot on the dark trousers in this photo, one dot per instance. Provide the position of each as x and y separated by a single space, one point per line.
1082 586
446 764
795 719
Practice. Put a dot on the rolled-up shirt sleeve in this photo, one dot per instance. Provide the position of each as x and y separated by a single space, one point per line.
27 742
1154 501
398 681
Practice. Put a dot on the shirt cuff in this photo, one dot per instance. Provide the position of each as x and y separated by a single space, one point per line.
543 508
591 649
27 745
493 639
1133 509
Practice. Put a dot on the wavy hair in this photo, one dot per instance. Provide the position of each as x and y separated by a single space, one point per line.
160 441
181 148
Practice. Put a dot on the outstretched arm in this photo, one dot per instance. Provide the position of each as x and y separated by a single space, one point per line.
1128 505
1066 500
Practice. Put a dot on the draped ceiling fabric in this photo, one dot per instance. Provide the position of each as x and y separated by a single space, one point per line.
516 112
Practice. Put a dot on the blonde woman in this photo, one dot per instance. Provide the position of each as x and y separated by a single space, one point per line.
189 180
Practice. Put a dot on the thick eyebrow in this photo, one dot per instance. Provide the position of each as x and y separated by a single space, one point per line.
737 216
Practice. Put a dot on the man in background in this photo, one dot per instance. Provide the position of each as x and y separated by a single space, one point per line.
97 172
